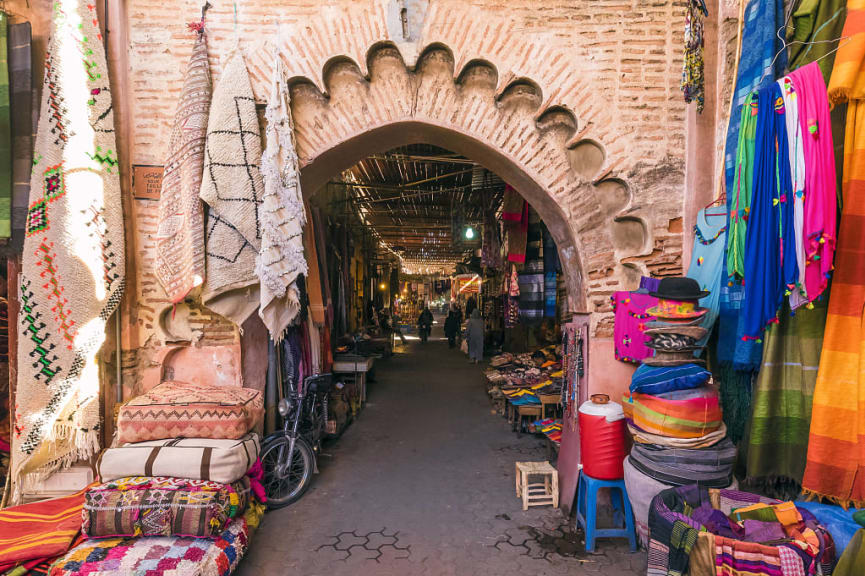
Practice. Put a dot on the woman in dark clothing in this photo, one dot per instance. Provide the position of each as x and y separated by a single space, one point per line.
424 323
452 327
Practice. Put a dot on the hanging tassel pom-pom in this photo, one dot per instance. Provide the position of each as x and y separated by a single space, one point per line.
197 26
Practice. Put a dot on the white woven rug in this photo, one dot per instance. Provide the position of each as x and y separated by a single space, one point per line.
73 263
233 189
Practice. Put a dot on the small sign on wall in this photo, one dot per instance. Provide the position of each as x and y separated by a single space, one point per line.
147 181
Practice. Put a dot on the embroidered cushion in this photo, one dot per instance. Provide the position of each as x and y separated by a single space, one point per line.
194 458
189 410
660 379
162 506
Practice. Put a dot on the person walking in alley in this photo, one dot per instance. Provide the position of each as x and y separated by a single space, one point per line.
452 326
424 323
475 336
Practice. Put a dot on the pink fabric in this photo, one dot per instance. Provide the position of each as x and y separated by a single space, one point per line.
819 228
256 475
631 318
791 563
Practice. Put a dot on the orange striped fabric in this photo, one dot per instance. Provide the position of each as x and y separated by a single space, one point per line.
39 530
835 467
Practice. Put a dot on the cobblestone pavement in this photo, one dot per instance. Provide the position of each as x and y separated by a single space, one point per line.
423 483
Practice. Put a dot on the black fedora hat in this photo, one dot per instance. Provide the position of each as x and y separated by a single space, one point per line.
679 288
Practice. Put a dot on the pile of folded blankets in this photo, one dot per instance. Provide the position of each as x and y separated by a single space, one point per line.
704 531
549 427
180 493
673 410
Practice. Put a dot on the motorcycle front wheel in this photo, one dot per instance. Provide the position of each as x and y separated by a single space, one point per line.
284 483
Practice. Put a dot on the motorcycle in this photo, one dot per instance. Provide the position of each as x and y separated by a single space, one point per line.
288 456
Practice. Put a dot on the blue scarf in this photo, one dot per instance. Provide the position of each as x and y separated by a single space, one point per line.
770 252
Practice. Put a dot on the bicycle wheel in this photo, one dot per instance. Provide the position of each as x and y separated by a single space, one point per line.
283 488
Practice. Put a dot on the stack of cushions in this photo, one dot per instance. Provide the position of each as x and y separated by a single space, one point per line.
181 479
672 410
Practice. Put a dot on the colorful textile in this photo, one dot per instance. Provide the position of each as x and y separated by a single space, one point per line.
180 229
739 197
517 230
159 555
711 466
838 412
233 189
162 506
770 253
5 135
317 308
814 32
531 297
762 59
853 559
710 237
640 435
796 150
693 82
223 461
189 410
820 202
661 379
680 414
39 530
281 260
677 515
777 439
73 261
629 338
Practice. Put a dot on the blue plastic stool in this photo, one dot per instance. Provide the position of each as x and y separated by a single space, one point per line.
587 511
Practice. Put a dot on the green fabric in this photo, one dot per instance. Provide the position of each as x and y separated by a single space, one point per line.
5 136
740 204
859 517
777 440
819 21
852 562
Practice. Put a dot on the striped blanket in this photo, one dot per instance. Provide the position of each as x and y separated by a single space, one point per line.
838 411
680 414
711 466
39 530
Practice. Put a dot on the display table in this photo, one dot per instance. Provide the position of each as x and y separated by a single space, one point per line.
356 366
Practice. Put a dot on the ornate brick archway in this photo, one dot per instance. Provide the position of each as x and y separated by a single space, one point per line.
505 128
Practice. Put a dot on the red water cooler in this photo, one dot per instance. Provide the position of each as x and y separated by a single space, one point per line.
602 438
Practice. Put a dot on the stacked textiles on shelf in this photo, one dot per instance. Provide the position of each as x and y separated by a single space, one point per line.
521 379
549 427
184 480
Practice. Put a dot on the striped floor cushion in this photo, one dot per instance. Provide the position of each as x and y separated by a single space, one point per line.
223 461
161 506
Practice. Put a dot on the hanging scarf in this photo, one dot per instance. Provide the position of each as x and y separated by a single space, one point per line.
313 283
758 65
281 260
836 447
739 204
820 204
783 392
180 229
795 147
5 134
693 82
232 187
73 263
813 33
770 254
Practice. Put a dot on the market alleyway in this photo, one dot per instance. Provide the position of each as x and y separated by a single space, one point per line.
423 483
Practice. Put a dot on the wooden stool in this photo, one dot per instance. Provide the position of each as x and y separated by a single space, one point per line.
550 400
530 410
537 493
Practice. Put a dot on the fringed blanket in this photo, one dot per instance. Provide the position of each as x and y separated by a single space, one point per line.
778 433
678 516
838 413
233 189
180 233
281 260
73 267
